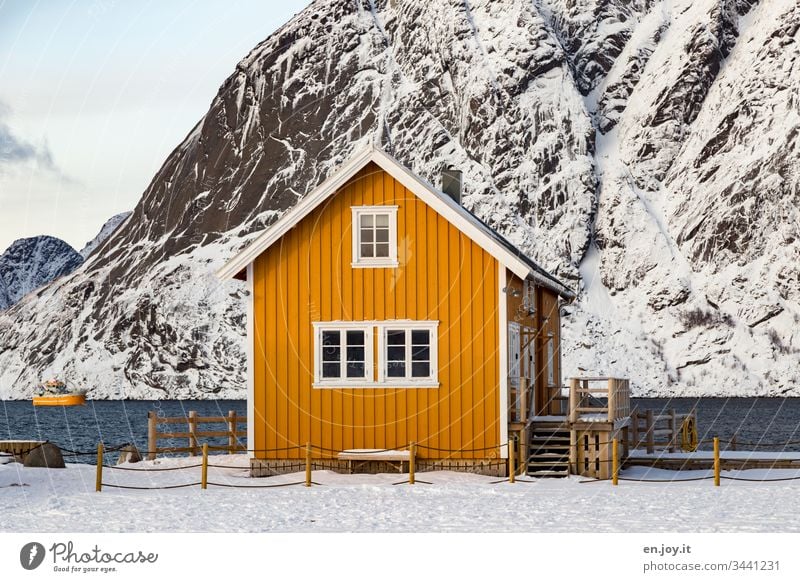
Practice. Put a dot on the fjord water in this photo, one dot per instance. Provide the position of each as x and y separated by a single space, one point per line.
115 422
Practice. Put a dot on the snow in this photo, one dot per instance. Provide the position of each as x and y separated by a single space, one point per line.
65 501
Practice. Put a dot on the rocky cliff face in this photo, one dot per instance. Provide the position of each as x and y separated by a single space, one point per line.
29 263
643 151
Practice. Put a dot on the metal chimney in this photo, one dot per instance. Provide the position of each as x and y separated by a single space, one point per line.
451 183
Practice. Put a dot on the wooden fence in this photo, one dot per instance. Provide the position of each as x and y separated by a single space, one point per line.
606 397
657 431
193 435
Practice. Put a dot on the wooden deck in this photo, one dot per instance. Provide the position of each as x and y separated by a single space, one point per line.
704 460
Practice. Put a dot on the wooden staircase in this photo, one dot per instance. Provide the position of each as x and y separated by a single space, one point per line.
548 448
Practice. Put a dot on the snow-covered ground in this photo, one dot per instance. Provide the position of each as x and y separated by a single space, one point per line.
65 501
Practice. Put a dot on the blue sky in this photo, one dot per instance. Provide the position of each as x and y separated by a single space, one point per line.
95 94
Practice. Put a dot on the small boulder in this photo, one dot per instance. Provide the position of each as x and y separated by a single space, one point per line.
46 455
129 454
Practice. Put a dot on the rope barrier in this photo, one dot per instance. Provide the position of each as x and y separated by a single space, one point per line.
259 486
118 468
151 488
666 480
759 480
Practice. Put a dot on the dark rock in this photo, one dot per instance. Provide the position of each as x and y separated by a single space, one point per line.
129 454
47 455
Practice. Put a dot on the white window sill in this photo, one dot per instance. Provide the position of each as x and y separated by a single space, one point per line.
387 385
377 265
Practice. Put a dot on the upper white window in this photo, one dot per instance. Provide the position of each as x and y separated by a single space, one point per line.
343 354
408 353
374 236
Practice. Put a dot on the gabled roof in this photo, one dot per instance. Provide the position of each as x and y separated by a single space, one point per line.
478 231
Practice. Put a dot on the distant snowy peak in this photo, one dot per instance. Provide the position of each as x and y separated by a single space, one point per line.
32 262
106 231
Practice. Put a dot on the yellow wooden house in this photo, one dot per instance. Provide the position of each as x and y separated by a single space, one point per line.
381 312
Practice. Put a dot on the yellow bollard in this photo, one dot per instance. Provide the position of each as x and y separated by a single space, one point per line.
512 470
412 453
614 462
99 483
716 461
204 474
308 464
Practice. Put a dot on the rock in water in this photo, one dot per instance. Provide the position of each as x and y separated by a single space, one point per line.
47 455
129 454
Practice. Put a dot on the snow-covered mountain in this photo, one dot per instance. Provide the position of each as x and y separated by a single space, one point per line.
109 227
29 263
646 151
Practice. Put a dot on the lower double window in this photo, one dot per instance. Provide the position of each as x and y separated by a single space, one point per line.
406 354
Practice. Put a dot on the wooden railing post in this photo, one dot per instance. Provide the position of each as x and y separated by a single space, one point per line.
716 462
308 464
612 399
232 431
192 433
204 474
635 429
673 431
152 434
733 442
99 477
512 470
574 399
614 462
412 453
651 445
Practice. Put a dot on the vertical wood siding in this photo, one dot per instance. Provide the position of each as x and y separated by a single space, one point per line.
443 275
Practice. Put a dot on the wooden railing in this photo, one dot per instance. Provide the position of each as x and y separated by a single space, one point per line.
518 399
193 435
657 431
585 395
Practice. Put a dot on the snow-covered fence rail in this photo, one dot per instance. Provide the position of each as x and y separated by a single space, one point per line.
193 435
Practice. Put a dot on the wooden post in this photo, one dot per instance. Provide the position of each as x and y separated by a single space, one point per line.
412 453
512 470
673 428
192 431
308 464
99 481
204 473
231 431
716 462
152 435
612 400
733 442
651 446
635 429
614 462
574 400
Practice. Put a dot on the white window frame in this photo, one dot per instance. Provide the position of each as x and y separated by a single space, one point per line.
369 357
360 262
384 379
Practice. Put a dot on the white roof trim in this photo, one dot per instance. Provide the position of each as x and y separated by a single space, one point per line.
441 203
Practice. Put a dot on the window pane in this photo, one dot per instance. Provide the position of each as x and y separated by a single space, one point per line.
396 353
355 369
366 235
381 235
330 370
355 354
331 354
396 370
382 250
366 220
420 337
420 353
330 338
395 337
367 251
421 369
355 337
382 220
